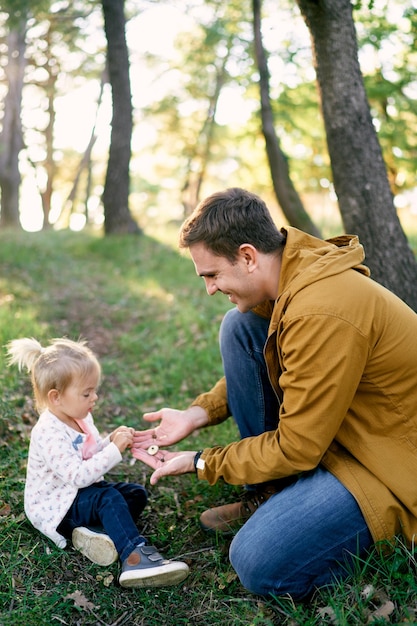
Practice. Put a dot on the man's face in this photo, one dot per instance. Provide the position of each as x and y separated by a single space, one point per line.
235 280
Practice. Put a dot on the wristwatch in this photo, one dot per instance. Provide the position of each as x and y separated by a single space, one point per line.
199 463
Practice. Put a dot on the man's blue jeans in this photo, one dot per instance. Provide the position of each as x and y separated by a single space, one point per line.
113 506
306 535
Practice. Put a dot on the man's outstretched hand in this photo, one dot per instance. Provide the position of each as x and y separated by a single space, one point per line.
173 426
165 463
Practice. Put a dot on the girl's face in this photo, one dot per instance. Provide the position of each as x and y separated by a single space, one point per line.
78 399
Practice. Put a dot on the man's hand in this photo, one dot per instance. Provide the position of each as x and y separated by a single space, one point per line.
173 426
166 463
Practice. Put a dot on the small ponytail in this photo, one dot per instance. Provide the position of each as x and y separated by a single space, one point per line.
24 352
53 367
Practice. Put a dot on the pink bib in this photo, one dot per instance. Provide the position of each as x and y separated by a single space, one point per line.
90 444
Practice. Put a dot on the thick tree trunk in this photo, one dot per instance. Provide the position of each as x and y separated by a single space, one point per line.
117 217
285 192
359 172
11 140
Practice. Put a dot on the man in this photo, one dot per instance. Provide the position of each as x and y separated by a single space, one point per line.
320 367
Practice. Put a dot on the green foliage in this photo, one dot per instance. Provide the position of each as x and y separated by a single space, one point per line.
172 91
387 36
146 314
21 10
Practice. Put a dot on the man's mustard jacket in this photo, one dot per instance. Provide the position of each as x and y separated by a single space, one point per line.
342 357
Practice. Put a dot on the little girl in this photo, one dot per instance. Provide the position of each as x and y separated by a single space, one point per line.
65 495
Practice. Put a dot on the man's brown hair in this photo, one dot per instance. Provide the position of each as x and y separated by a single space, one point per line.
227 219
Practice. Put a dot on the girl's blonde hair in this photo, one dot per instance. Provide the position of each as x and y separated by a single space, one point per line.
55 367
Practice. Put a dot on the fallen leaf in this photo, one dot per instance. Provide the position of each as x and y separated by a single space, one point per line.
81 601
107 579
367 592
5 509
384 612
328 612
226 580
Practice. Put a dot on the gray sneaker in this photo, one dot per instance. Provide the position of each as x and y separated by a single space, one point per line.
145 567
95 545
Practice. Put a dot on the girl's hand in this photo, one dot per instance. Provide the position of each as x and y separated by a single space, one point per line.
122 437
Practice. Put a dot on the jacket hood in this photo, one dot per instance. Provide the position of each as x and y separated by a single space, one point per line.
307 259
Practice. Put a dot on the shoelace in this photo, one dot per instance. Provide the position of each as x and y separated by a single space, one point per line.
254 499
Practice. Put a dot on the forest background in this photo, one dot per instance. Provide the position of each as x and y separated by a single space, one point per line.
120 114
268 97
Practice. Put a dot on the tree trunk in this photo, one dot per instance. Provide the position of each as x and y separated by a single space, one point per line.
360 177
46 192
117 217
285 192
11 140
85 163
199 160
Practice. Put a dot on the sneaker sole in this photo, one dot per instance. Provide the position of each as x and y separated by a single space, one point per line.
98 548
163 576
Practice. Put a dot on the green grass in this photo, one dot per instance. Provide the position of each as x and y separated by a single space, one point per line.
147 316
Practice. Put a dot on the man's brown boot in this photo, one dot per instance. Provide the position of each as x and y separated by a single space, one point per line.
229 518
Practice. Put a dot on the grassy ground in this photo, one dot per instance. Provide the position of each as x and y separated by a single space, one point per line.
146 314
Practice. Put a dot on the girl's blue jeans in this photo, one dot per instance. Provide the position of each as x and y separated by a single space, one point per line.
308 534
113 506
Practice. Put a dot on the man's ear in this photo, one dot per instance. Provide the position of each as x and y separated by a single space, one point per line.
249 254
54 396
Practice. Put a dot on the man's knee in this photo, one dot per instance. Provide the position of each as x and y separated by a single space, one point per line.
266 574
245 329
250 566
229 322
